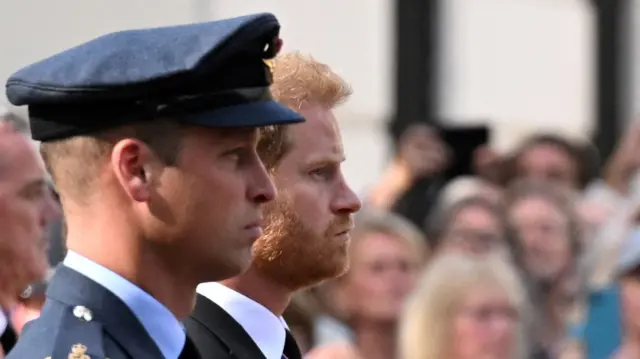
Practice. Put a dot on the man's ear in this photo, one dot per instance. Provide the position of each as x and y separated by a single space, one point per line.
132 164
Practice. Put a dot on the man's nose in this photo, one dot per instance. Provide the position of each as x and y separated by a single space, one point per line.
261 187
347 201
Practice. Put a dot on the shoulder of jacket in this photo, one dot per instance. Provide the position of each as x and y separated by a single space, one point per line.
77 335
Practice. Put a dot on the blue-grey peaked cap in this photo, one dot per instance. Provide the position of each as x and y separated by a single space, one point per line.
208 74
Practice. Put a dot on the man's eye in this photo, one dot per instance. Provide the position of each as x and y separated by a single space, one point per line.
318 172
322 173
33 192
236 153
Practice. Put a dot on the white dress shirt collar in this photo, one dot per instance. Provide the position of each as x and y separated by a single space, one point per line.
4 321
266 329
161 325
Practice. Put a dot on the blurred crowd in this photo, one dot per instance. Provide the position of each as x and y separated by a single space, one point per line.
533 254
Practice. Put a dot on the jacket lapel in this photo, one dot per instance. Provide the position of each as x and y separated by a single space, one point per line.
73 288
225 328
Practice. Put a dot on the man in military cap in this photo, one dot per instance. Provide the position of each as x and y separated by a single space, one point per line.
307 227
150 136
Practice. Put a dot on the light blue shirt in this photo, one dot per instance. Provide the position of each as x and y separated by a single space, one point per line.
163 327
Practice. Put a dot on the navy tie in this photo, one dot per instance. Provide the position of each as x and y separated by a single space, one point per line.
189 351
291 350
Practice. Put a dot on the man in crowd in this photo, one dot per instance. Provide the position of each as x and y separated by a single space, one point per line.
150 136
26 208
307 228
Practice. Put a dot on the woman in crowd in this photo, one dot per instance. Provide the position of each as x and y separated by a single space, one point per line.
627 275
466 307
386 255
552 159
546 227
474 224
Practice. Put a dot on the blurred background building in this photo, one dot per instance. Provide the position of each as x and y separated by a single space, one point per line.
519 66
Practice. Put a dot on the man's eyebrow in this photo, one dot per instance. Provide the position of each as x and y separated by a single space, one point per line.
327 160
235 136
239 133
36 183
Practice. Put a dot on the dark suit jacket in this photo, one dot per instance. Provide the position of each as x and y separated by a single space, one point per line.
80 314
217 335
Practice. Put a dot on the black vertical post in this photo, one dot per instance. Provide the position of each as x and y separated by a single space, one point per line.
417 28
612 43
416 41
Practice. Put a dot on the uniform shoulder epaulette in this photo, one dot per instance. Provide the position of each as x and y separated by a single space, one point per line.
78 336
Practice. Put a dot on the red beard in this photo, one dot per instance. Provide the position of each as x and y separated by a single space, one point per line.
293 255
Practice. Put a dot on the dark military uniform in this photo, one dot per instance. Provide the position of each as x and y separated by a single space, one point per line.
80 317
212 74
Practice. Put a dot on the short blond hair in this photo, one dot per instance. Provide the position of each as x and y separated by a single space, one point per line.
426 323
74 163
299 81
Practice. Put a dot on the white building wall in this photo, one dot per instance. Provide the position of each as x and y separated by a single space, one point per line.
524 64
